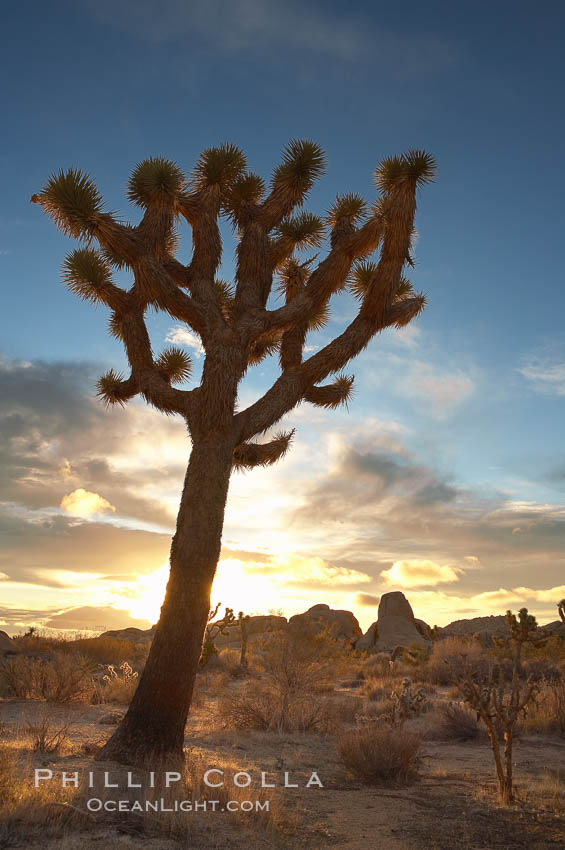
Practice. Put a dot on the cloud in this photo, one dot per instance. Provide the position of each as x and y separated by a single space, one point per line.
417 573
54 433
42 550
85 504
372 508
442 390
544 370
101 618
265 26
182 336
366 599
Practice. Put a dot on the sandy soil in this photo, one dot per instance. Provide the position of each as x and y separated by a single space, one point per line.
452 806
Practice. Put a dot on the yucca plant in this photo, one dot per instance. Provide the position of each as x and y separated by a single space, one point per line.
238 327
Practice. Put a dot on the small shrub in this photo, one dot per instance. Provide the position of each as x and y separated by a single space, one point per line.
459 723
449 657
547 713
377 753
61 677
46 738
119 687
377 666
261 708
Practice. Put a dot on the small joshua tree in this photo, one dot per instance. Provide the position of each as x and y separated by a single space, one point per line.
213 629
499 704
238 326
561 609
243 622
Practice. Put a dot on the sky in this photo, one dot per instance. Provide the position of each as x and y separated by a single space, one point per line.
445 477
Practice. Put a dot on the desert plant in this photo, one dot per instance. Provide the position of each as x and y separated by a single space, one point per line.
449 658
215 628
119 687
499 705
47 737
458 722
547 712
561 609
376 752
406 701
237 330
61 677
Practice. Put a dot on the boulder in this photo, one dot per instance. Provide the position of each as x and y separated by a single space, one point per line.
6 643
343 624
395 626
369 639
132 634
256 626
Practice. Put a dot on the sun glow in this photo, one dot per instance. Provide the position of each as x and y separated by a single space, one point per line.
233 587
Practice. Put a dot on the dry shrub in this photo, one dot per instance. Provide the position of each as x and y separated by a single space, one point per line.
61 677
459 723
109 650
378 693
380 753
547 713
378 666
340 711
260 707
447 661
8 775
119 687
46 737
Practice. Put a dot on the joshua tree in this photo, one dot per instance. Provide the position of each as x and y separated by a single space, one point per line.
499 705
238 326
561 609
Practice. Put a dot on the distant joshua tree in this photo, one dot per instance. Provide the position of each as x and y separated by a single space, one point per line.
238 327
561 609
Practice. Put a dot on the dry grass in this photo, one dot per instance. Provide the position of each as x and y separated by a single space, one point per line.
61 677
379 753
46 737
547 714
459 723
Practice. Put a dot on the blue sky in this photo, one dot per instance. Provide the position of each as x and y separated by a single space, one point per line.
474 394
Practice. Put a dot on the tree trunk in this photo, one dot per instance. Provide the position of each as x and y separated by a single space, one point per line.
153 729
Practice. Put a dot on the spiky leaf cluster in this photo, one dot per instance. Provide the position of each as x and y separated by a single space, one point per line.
155 180
415 166
107 388
251 455
304 230
360 278
218 166
85 272
175 363
303 162
351 207
264 346
73 201
241 195
333 395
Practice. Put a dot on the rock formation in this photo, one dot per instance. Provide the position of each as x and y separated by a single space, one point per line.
258 625
395 626
6 643
342 624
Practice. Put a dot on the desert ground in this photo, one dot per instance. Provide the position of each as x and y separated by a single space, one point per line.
423 777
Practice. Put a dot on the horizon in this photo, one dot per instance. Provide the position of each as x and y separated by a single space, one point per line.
445 477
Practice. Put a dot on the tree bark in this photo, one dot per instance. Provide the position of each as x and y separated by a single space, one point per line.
153 729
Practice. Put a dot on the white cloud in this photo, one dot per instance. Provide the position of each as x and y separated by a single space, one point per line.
441 390
419 573
85 504
182 336
545 370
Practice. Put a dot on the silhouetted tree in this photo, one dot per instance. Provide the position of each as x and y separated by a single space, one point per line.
238 328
